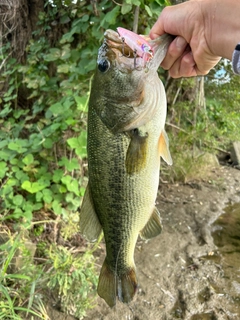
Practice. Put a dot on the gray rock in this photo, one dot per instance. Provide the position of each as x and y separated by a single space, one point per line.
235 153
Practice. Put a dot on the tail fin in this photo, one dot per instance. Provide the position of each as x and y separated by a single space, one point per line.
111 285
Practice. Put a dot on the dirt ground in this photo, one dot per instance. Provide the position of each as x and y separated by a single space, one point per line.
182 273
192 270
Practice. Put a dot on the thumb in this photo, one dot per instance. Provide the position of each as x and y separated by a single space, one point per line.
171 20
157 29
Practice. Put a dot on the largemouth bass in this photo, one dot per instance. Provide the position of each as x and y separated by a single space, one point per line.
126 137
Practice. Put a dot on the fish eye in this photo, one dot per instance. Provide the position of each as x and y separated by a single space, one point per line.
103 65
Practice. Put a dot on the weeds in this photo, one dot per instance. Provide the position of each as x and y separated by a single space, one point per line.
25 284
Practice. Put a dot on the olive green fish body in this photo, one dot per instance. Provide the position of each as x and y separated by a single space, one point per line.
124 148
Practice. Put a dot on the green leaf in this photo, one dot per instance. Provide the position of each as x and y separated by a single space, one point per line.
3 169
47 195
81 102
39 196
110 17
56 206
18 200
66 52
34 187
56 108
3 144
134 2
18 145
71 184
48 143
148 10
69 164
126 8
21 176
79 143
72 164
54 54
28 159
63 68
67 37
57 175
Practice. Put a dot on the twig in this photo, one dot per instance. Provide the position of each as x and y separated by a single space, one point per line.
135 20
119 4
176 127
177 93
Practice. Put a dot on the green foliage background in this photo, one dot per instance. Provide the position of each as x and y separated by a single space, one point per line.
43 141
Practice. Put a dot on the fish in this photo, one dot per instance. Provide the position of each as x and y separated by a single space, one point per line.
125 140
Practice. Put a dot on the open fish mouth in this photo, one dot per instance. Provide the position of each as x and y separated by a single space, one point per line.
114 40
114 48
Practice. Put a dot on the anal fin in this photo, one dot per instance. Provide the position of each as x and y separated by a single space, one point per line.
153 227
90 226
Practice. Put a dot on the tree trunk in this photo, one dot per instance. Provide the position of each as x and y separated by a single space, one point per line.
18 18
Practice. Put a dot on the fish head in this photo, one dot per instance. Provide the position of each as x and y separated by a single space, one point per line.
119 84
118 70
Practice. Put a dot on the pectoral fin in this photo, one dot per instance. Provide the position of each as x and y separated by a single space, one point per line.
90 226
163 147
153 227
137 151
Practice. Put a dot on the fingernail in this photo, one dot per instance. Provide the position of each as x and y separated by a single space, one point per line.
180 43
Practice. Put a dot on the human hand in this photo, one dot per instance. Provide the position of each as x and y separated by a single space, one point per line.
189 54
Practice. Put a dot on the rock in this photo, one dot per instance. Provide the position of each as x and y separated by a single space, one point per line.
210 160
235 153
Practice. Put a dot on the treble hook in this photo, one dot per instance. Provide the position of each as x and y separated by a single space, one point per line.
123 44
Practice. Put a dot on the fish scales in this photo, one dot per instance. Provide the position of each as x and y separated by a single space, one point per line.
124 162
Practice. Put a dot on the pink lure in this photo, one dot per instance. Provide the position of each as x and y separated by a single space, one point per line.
136 43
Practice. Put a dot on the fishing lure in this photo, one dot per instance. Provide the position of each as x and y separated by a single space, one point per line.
137 43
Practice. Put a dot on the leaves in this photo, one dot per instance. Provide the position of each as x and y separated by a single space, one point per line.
110 17
79 144
34 187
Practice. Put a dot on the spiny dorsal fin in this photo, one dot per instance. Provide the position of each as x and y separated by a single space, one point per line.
90 226
137 151
163 147
153 227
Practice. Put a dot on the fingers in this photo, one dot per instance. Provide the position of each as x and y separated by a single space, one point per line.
184 66
175 51
179 60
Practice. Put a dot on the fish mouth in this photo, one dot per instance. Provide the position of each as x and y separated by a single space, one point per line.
114 48
115 41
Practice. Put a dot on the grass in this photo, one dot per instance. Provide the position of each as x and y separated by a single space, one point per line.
27 281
